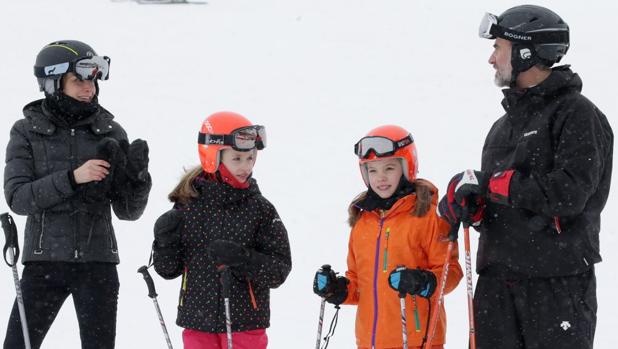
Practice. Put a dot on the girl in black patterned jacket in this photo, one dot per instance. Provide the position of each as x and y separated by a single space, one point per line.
221 223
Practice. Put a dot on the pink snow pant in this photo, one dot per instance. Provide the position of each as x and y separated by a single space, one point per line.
432 347
255 339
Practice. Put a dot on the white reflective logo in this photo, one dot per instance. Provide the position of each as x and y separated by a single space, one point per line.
56 69
565 325
525 53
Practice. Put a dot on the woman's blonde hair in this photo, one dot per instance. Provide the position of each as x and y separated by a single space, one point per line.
423 190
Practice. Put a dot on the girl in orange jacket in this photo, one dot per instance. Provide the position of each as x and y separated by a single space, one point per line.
398 245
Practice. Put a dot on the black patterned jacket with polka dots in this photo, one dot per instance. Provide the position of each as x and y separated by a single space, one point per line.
240 215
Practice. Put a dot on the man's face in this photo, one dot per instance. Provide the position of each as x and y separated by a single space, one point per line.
500 59
81 90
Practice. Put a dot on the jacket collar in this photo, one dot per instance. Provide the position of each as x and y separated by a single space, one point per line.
222 194
561 78
39 116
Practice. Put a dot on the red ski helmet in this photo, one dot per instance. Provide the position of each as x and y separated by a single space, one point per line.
388 141
223 130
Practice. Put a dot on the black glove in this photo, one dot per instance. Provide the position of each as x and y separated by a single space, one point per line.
107 149
230 253
412 281
462 189
137 160
333 288
167 229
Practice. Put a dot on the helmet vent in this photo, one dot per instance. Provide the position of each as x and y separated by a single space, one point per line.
533 19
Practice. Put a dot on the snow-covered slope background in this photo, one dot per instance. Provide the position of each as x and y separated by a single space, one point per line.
319 74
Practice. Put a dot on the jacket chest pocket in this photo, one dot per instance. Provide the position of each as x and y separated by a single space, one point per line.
533 152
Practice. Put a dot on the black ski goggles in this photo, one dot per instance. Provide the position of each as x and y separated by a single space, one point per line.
490 29
380 146
241 139
89 68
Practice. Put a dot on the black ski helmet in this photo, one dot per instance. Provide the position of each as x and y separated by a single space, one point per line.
60 57
538 36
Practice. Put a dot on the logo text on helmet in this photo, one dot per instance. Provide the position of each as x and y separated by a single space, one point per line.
208 126
517 36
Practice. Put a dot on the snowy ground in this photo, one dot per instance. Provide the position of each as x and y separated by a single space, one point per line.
318 74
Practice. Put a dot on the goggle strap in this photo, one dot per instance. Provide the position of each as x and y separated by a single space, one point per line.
541 37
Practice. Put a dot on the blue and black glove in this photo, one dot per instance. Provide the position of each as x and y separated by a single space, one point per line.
333 288
412 281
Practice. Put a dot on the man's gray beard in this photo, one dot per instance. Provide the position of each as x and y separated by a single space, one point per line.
502 81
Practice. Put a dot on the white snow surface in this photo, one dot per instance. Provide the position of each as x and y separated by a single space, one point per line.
319 74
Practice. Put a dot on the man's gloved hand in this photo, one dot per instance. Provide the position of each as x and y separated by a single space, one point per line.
467 188
167 229
137 159
230 253
333 288
412 281
107 149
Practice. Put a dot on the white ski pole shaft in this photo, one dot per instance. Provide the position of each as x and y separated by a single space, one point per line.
226 279
228 323
20 302
404 325
152 293
167 336
320 323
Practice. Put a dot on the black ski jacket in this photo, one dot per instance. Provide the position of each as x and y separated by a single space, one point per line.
61 226
560 146
240 215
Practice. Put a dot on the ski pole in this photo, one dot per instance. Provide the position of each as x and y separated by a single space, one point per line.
404 330
12 247
325 271
441 286
152 293
469 286
225 281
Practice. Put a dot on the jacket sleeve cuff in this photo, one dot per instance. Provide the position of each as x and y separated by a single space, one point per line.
499 186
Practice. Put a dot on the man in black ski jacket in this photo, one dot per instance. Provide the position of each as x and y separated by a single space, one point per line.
67 164
545 178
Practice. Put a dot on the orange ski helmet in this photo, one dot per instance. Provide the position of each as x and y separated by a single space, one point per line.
223 130
388 141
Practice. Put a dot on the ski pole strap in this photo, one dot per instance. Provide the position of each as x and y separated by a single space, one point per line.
10 236
332 327
152 293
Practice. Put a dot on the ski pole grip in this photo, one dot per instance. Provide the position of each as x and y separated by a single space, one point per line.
10 236
466 215
152 293
226 279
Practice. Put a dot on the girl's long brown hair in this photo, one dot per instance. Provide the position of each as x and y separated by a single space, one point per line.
424 192
184 191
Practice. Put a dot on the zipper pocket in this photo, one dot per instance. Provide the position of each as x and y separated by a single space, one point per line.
385 266
39 250
110 234
183 287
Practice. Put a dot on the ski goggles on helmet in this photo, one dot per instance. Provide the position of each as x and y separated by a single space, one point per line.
88 68
241 139
380 146
490 29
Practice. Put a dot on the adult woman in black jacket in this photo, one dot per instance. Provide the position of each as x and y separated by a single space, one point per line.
67 162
